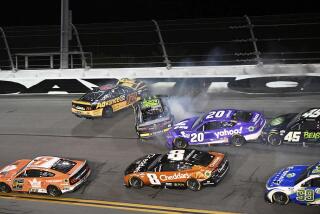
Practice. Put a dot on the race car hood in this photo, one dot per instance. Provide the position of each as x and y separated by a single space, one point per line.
141 164
184 125
286 177
279 122
11 170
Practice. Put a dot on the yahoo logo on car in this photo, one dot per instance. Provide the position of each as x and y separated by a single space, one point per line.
226 132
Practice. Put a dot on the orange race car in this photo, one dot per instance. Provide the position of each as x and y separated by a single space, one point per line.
51 175
177 168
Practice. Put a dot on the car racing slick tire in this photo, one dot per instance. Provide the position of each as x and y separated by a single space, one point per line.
53 191
180 143
280 198
237 140
136 183
107 112
274 139
193 184
4 188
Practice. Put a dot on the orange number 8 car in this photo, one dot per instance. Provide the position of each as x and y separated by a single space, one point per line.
51 175
178 168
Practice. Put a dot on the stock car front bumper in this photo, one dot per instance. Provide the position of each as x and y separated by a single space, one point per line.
219 174
87 114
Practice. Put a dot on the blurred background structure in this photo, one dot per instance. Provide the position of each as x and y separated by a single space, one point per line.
261 40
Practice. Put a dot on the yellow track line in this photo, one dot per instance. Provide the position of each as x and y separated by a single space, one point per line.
110 204
91 205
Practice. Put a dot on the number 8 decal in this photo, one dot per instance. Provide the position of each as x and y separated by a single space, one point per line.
176 155
153 179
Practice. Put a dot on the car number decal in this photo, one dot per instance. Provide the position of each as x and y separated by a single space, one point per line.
293 137
153 178
313 113
197 137
305 195
215 114
176 155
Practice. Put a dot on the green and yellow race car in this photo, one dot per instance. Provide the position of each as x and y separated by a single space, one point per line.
103 101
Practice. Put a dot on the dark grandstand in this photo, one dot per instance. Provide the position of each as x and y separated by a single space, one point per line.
287 39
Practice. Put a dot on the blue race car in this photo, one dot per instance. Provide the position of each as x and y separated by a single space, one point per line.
299 184
222 126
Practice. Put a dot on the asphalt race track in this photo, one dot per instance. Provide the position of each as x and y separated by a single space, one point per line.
31 126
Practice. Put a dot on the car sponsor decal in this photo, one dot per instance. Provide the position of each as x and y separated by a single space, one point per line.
80 108
291 175
226 132
35 183
111 102
181 125
311 135
143 162
316 170
255 118
215 161
17 184
282 176
175 176
277 121
150 103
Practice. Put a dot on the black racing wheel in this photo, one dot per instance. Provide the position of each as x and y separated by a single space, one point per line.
136 182
274 139
237 140
193 184
180 143
4 188
280 198
107 112
53 191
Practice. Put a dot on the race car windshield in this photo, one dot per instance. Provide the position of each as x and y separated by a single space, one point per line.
63 165
155 163
294 119
305 174
91 96
198 121
198 157
151 113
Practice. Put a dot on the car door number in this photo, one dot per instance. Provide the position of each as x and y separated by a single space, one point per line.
197 137
153 178
293 137
305 195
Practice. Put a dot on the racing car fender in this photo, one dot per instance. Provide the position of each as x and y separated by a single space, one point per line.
283 190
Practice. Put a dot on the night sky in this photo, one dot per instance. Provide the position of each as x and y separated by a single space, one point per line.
47 12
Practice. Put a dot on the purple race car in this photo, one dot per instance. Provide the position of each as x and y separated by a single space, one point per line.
222 126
